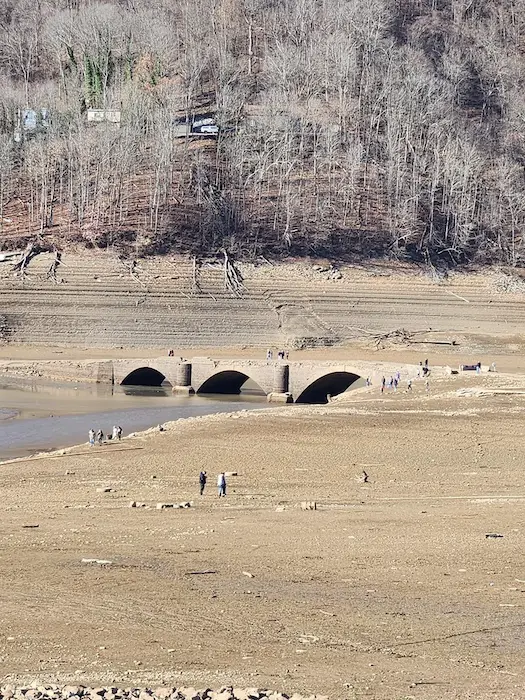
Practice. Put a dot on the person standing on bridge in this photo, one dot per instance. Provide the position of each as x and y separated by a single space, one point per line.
202 481
221 484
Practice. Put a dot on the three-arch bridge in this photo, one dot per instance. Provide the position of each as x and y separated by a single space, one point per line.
281 381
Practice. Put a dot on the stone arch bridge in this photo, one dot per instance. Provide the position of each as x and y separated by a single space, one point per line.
281 381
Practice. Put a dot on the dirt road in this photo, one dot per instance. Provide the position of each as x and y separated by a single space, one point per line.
391 589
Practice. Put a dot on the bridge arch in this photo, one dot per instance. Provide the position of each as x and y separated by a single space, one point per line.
144 376
226 381
332 383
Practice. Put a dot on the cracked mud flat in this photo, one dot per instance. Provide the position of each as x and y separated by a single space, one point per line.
389 590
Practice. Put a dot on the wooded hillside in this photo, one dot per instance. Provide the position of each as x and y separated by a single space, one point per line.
347 128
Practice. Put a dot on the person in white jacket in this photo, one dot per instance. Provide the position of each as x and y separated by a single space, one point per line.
221 484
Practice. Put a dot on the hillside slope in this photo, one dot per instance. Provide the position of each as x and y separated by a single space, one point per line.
162 302
338 129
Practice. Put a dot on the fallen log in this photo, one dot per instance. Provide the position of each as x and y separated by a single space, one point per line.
52 272
233 280
195 285
436 342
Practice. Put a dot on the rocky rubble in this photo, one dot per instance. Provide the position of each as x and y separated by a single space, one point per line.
77 692
509 284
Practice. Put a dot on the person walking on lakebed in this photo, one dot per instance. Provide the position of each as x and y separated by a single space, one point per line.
221 484
202 481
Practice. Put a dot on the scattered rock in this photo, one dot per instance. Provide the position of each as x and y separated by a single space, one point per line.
101 562
308 505
105 489
247 573
163 693
163 506
74 692
222 695
190 694
493 535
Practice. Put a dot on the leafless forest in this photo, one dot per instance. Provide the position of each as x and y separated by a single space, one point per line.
348 129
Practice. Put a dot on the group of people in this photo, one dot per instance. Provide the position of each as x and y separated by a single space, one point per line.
221 483
98 437
423 369
394 381
281 355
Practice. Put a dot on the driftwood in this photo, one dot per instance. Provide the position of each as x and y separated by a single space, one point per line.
195 285
436 342
233 280
401 336
131 266
52 272
32 249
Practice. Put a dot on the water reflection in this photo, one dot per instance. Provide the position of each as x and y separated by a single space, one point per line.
132 390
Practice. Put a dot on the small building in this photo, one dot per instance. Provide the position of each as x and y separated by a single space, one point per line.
97 116
30 121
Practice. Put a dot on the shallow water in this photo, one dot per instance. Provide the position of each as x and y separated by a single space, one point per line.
39 415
